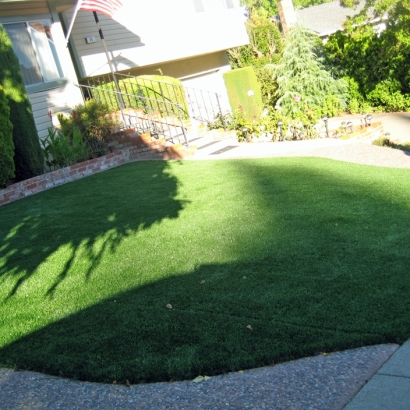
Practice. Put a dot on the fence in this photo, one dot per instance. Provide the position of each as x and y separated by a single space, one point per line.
159 117
201 105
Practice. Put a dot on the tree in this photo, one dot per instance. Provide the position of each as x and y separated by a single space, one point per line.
377 65
28 157
266 46
6 141
304 85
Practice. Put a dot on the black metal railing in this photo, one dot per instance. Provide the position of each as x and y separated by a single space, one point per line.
160 118
201 105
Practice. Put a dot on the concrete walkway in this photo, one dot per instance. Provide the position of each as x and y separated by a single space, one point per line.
389 388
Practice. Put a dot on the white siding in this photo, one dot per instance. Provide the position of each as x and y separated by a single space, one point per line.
56 100
144 33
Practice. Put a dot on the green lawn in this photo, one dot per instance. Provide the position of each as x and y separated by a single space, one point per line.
312 254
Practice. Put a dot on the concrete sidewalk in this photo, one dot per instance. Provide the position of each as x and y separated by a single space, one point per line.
389 388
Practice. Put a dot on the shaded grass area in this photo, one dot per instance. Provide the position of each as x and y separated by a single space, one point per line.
311 253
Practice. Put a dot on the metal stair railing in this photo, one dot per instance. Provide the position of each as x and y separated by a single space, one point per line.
159 117
201 105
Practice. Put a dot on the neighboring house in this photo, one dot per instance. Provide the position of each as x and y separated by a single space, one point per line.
328 18
186 39
323 19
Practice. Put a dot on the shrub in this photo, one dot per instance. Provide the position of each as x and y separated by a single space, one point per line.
267 124
61 149
388 95
28 158
244 92
163 89
382 142
148 92
265 43
6 141
93 119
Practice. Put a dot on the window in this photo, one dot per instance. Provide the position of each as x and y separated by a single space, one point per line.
208 5
35 49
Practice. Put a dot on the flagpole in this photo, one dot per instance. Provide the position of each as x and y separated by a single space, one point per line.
77 7
120 101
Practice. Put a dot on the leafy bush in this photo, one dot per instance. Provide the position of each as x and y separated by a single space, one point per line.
244 92
148 92
387 94
386 142
267 125
265 43
378 64
94 120
28 158
62 149
381 142
6 141
161 88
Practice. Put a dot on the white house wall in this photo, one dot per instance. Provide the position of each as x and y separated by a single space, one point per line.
55 100
56 97
145 33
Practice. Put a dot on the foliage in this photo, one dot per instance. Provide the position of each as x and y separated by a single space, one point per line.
304 85
381 142
266 44
267 124
270 8
148 92
93 119
6 141
28 158
244 91
386 142
62 149
159 88
377 64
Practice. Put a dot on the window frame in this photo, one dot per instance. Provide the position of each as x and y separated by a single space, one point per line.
44 85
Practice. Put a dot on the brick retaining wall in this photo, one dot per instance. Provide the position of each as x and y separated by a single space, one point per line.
62 176
373 132
128 146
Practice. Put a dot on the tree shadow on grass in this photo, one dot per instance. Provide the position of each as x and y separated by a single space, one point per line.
330 273
86 219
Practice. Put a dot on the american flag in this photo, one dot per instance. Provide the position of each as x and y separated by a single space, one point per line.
107 7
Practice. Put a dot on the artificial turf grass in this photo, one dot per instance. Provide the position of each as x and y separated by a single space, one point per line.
322 245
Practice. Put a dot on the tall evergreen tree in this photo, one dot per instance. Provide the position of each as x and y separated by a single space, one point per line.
6 141
28 157
302 80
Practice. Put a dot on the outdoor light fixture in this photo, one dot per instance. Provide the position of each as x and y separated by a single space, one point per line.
280 125
350 125
245 132
325 120
368 120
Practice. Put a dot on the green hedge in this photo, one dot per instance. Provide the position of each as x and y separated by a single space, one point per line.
244 92
6 141
28 156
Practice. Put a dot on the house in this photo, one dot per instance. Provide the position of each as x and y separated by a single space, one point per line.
323 19
186 39
328 18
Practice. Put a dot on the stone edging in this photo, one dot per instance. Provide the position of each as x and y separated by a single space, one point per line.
62 176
